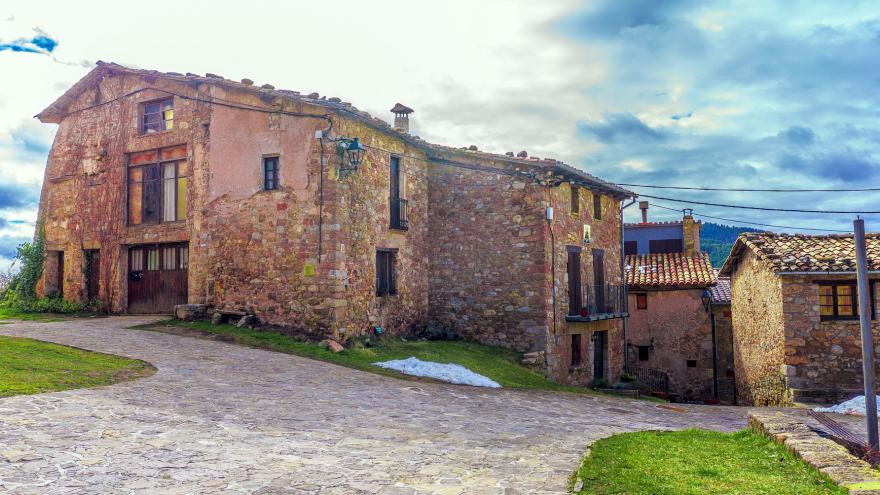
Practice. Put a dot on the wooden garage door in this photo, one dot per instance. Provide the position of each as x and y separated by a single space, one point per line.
157 277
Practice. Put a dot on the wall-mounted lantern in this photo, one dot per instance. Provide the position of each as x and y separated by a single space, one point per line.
351 152
706 298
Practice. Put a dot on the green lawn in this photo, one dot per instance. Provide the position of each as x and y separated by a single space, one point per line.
697 462
11 314
31 367
498 364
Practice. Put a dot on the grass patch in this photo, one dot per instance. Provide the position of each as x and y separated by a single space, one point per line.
499 364
12 314
697 462
31 367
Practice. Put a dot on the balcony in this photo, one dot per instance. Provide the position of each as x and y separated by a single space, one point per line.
597 302
399 214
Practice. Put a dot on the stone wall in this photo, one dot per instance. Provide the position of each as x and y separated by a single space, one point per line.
824 358
283 280
83 200
488 253
758 335
676 327
568 230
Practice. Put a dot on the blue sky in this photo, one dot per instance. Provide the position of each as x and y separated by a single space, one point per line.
719 94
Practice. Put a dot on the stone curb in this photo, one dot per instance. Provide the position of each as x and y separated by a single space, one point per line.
824 454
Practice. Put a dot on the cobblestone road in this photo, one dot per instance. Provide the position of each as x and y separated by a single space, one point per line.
218 418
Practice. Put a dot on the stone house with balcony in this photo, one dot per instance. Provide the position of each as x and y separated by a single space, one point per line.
672 333
165 188
795 309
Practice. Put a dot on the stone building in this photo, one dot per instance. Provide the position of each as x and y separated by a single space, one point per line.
795 316
168 188
671 331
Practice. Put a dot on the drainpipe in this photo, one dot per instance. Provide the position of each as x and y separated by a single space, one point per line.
714 354
623 284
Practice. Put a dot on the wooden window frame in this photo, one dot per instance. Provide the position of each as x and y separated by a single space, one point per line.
159 166
389 288
834 284
597 206
575 200
276 180
180 257
162 123
641 300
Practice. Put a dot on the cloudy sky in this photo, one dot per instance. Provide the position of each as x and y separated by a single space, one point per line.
711 94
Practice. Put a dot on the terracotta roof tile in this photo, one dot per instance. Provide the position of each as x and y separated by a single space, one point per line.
804 253
669 270
721 292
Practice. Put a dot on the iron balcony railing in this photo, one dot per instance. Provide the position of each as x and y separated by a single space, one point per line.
399 214
599 300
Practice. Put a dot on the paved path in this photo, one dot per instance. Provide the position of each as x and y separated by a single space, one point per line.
219 418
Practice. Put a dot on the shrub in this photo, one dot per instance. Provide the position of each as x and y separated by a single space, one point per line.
19 292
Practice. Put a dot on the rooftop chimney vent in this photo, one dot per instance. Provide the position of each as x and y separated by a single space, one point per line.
401 116
643 205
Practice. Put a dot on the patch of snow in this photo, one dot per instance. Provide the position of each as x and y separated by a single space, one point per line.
452 373
854 406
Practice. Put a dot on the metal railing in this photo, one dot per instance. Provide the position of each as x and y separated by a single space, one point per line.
399 214
655 380
600 300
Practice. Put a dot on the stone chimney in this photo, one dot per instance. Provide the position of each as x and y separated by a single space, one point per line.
401 117
643 205
691 233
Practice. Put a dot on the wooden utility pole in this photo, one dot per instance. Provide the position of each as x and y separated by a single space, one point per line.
867 337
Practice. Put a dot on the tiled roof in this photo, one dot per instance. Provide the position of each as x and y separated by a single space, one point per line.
548 166
721 292
669 270
804 253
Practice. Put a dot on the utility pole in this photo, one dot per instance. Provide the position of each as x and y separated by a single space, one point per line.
867 337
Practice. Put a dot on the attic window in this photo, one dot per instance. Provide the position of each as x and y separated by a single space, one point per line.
597 206
575 200
158 116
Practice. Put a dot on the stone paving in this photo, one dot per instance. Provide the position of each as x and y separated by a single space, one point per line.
220 418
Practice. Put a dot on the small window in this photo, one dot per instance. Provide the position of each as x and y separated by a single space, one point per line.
630 247
840 301
153 259
184 258
158 116
575 349
575 200
660 246
270 173
386 284
691 363
168 258
641 301
644 352
597 206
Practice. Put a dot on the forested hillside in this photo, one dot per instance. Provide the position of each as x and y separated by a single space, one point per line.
717 239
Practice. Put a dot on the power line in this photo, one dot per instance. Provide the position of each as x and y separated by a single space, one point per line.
691 188
761 208
751 223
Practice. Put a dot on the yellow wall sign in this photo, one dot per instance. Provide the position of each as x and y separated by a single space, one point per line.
309 270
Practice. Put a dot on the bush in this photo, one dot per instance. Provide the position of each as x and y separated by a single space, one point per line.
19 291
21 288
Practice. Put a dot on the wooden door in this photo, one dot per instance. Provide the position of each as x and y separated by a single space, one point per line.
157 277
575 297
599 279
600 341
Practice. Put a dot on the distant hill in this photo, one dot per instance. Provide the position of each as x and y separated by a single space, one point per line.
717 239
